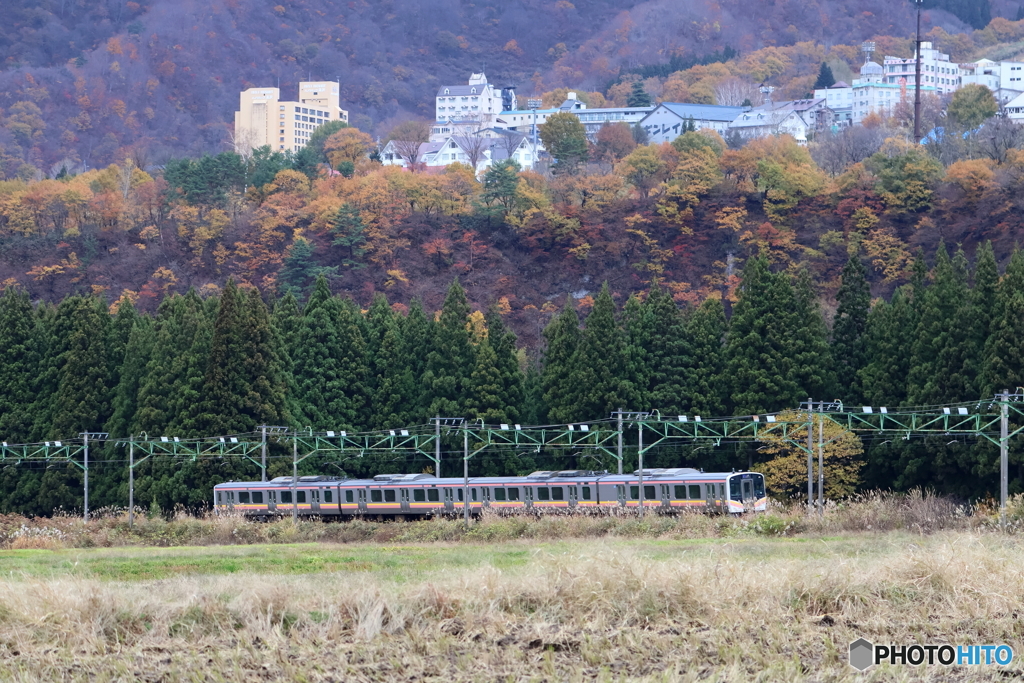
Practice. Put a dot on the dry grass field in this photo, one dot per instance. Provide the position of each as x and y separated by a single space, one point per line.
628 603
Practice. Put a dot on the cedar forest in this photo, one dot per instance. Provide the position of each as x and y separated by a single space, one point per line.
174 288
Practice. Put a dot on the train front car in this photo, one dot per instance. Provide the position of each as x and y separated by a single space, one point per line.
746 492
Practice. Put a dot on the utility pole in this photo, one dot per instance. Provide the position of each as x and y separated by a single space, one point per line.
810 455
465 471
85 500
917 78
620 439
1004 442
640 458
295 479
131 483
85 469
437 446
821 461
263 457
535 105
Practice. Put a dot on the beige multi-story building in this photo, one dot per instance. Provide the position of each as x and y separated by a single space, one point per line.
263 119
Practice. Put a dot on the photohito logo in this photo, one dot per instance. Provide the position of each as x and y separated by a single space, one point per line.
864 654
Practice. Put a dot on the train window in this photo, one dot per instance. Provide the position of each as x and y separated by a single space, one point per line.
389 495
272 496
513 494
460 495
649 493
300 496
286 496
257 497
499 494
348 496
472 495
328 496
586 493
721 490
556 493
680 491
543 493
433 495
695 492
634 493
243 496
376 496
220 497
758 486
419 495
734 489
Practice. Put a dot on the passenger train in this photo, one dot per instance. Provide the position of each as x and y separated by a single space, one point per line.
404 496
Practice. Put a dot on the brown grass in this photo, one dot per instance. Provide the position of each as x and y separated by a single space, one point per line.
731 610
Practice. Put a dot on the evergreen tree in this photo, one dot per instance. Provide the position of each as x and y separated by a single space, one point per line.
638 97
417 337
811 362
450 361
82 400
637 322
889 337
349 234
286 321
849 344
825 77
667 354
759 345
558 379
397 393
599 382
486 399
935 336
511 388
132 373
19 366
1004 353
172 384
705 379
224 406
299 269
330 379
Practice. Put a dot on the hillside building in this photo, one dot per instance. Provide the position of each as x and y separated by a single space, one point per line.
485 148
872 93
1004 79
477 101
667 121
799 118
937 72
522 120
264 119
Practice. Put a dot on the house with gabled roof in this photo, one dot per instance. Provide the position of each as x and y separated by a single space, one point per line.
670 119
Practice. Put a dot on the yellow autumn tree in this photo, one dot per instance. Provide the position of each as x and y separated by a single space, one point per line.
785 473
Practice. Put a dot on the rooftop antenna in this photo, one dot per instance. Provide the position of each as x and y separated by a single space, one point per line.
867 47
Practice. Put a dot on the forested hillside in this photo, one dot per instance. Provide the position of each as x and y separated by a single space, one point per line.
227 364
86 84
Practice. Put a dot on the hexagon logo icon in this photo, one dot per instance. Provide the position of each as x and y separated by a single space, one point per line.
861 652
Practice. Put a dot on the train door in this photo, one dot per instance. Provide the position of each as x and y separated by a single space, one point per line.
314 501
748 490
449 498
485 497
271 501
620 494
362 500
403 498
666 499
573 496
528 496
709 496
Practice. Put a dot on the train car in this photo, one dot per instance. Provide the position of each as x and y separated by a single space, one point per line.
401 496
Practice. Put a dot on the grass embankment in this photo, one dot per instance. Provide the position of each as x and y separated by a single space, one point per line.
734 609
914 512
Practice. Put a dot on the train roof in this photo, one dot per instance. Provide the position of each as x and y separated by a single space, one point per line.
536 478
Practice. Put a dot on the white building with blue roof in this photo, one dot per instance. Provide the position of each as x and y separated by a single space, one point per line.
669 119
